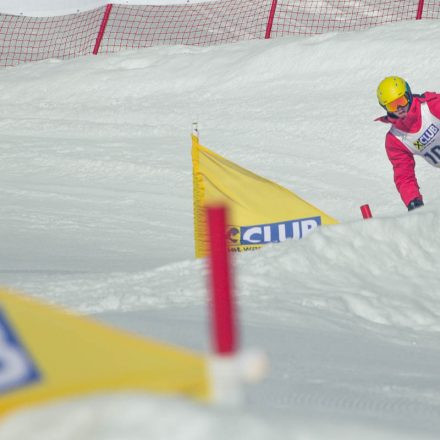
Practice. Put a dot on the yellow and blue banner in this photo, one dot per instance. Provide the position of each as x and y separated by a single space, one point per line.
48 353
260 211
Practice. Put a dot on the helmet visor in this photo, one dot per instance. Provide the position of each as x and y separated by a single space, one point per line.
399 102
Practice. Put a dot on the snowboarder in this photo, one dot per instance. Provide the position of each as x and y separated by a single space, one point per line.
415 129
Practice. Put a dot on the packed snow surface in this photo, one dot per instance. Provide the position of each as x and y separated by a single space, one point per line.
96 216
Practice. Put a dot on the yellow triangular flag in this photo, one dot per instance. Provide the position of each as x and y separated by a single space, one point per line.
47 353
260 211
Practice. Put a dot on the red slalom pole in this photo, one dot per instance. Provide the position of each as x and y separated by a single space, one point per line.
366 212
223 319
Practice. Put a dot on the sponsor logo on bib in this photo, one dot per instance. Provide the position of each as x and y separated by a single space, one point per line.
428 135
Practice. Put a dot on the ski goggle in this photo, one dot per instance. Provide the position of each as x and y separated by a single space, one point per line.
399 102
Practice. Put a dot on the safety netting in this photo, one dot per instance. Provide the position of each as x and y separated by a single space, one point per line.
117 27
317 17
199 24
24 39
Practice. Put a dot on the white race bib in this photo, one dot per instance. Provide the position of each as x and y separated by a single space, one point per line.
426 142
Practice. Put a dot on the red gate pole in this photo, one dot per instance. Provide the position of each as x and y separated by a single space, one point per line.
223 325
228 369
366 212
270 20
108 9
420 10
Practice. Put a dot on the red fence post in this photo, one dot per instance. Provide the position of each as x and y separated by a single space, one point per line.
223 319
108 9
420 10
270 20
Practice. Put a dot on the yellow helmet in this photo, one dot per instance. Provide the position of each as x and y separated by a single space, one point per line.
392 88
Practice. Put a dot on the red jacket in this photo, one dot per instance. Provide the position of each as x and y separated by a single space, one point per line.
401 158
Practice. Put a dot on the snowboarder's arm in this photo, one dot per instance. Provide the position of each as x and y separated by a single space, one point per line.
404 169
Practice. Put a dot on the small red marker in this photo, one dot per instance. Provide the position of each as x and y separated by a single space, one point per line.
366 212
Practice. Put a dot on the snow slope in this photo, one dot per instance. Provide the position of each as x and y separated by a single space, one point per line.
96 215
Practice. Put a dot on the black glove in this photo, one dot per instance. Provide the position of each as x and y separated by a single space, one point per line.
416 203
